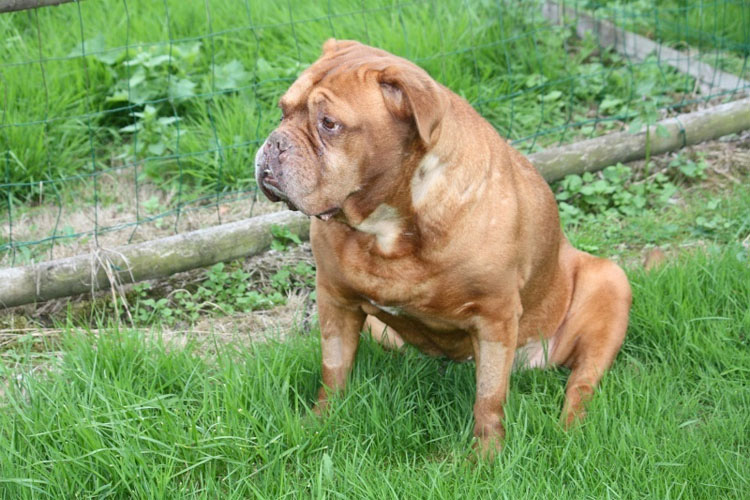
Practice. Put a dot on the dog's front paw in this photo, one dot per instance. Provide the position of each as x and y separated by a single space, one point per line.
321 405
320 409
488 440
487 448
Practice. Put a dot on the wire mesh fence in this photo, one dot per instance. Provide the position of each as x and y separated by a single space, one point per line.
128 120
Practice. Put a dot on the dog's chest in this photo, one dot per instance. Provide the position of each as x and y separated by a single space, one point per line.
432 334
394 286
374 308
404 289
424 293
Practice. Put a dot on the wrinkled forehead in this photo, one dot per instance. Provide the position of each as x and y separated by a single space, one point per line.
341 77
297 94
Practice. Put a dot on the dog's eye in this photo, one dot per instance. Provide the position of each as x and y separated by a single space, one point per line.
327 123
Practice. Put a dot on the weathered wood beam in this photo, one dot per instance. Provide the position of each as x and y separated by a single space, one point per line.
143 261
639 47
13 5
621 147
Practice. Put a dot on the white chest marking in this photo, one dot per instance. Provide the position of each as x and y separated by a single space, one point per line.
386 224
393 311
428 174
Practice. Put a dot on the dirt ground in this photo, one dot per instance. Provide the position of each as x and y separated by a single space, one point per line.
121 203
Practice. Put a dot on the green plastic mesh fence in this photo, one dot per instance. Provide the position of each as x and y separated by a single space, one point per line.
129 120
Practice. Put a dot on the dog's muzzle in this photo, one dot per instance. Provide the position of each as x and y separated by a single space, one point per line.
268 168
271 178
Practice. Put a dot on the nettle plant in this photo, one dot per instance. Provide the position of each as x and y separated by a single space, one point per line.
156 88
621 190
225 289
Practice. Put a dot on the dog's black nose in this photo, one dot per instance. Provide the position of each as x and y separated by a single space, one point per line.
283 144
277 143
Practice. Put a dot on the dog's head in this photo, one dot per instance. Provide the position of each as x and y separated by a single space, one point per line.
347 124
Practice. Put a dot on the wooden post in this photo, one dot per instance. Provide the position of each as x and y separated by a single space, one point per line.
639 47
621 147
143 261
13 5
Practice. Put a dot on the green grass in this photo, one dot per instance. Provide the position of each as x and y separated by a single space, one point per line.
705 24
213 73
126 415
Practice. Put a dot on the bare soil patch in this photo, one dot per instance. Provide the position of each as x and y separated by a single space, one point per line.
124 212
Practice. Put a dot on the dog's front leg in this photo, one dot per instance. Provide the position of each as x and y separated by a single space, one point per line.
494 348
340 324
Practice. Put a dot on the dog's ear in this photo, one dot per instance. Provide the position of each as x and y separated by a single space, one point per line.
410 94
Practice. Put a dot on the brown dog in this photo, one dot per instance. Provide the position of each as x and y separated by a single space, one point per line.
427 220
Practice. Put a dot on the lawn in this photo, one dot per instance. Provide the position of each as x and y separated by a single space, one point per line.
715 32
705 25
128 415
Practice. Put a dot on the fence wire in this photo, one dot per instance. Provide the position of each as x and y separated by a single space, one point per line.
134 119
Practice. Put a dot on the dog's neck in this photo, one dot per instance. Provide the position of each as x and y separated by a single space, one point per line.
383 208
420 201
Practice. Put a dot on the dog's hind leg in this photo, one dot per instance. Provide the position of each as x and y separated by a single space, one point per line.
383 334
593 330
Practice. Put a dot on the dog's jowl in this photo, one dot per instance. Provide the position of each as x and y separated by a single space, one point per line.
427 221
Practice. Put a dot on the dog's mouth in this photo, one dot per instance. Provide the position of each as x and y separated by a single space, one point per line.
271 188
328 214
